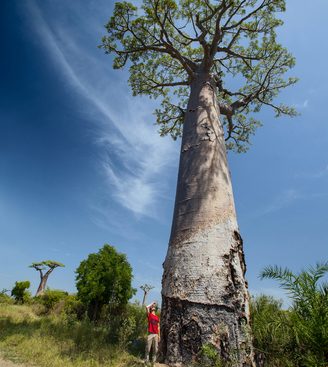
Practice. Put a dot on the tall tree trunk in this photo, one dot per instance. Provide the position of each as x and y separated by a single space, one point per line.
204 293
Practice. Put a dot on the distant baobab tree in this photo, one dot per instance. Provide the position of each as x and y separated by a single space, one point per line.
45 268
146 288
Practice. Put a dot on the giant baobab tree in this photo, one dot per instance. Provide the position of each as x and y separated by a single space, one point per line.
213 65
45 268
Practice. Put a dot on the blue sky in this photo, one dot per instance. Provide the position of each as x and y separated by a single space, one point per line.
81 163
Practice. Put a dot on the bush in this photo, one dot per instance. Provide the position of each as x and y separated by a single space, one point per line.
273 340
129 329
4 298
50 298
20 293
73 307
308 319
138 312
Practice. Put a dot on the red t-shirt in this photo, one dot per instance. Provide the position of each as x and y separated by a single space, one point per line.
153 322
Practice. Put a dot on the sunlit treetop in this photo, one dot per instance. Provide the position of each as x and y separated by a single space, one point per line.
167 43
42 265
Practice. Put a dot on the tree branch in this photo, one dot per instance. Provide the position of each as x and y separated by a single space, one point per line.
237 55
242 20
233 14
217 33
188 65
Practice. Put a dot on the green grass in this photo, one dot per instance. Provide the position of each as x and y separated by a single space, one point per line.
56 341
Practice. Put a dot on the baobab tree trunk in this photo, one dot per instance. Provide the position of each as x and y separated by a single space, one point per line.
144 299
204 292
43 283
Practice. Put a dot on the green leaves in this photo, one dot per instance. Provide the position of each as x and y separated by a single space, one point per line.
273 337
309 313
20 293
104 278
42 265
166 43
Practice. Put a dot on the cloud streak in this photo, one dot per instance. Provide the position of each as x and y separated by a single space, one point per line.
323 172
132 153
288 198
303 105
283 200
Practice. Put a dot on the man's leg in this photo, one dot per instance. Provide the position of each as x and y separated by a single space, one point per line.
148 346
155 347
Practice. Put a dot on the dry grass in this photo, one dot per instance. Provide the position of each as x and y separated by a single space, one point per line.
49 341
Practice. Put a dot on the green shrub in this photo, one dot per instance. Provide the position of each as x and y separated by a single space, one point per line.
20 292
127 327
71 307
209 357
271 327
308 321
4 298
139 314
50 298
103 280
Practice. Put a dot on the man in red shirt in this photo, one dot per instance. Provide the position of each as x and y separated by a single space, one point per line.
153 332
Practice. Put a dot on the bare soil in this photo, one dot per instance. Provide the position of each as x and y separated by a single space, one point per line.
7 363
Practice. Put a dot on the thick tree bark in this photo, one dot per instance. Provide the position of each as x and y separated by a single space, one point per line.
204 293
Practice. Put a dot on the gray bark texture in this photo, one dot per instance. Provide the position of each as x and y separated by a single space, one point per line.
43 282
204 292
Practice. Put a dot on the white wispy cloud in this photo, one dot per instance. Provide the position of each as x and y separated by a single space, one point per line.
322 172
132 152
302 105
282 200
288 198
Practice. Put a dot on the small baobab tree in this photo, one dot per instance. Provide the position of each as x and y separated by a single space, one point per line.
45 268
146 288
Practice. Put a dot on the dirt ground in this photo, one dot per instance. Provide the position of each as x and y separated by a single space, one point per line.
4 363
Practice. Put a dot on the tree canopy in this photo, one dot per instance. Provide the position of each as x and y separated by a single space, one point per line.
165 43
104 278
43 265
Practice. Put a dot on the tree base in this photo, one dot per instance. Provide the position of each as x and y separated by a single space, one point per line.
189 326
